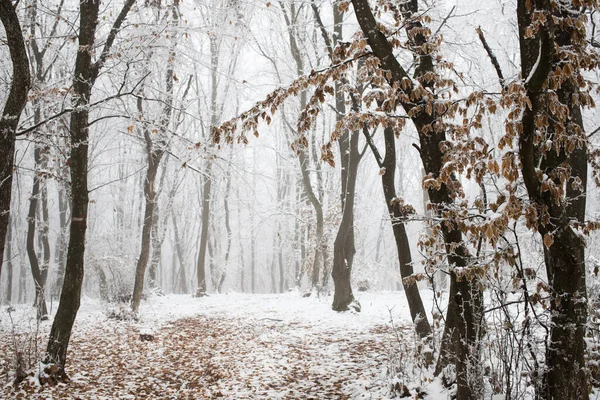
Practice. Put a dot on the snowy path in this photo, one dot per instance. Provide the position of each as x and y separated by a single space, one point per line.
229 346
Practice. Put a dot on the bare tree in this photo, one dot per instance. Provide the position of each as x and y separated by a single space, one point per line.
86 74
11 113
215 17
292 15
155 149
37 217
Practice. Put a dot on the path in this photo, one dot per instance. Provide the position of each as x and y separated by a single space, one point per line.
241 349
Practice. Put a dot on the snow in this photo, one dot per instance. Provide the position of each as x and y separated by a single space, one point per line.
289 308
536 65
238 346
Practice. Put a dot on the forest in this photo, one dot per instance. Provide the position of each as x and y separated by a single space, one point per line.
299 199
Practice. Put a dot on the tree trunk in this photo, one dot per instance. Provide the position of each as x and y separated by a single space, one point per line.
242 260
155 149
86 74
9 263
183 288
564 254
565 358
439 278
157 240
23 272
154 157
61 243
103 284
38 210
9 120
343 247
228 231
38 272
159 229
207 176
212 253
314 201
462 329
60 334
201 264
280 262
273 269
252 255
398 213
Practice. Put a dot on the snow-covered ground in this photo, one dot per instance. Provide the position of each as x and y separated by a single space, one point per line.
237 346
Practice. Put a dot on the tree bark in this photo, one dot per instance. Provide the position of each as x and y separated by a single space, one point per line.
9 120
298 240
159 229
156 238
38 207
343 246
60 334
252 251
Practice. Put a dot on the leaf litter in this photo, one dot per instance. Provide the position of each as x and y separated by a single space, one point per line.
233 346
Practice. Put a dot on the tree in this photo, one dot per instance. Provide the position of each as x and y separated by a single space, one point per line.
465 299
37 217
343 246
398 212
11 113
155 149
85 75
301 145
546 120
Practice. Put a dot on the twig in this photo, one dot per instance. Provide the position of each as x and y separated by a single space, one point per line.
444 21
69 110
492 56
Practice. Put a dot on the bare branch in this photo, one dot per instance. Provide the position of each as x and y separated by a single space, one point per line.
111 38
492 57
69 110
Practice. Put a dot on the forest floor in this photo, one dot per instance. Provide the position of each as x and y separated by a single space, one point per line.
230 346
